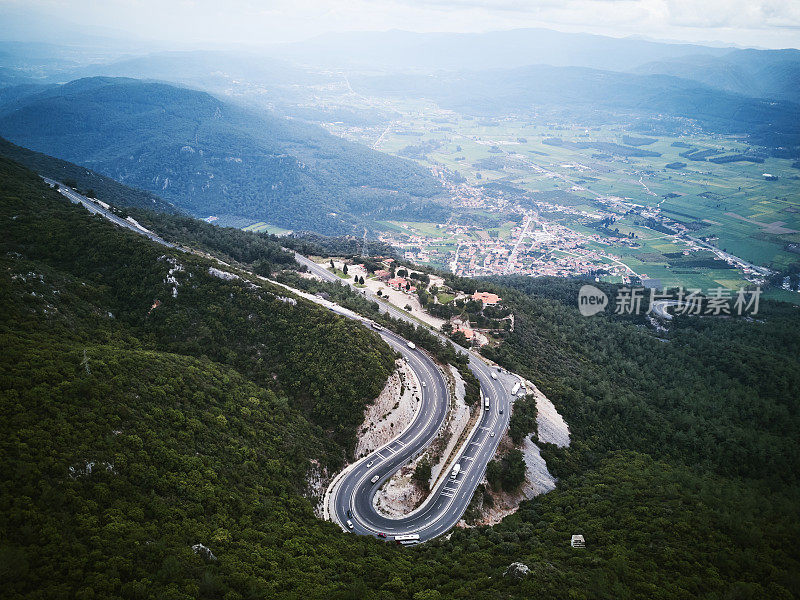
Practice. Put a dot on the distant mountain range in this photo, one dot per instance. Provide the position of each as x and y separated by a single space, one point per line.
404 50
759 73
210 157
587 94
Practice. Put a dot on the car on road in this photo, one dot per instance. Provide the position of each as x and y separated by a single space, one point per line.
382 535
349 524
370 463
376 327
375 479
412 345
424 384
491 434
501 411
349 513
494 375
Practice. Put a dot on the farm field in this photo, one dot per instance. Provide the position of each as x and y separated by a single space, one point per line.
576 176
730 204
262 227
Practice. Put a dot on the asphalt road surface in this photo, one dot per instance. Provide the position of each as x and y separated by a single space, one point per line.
447 502
352 497
94 208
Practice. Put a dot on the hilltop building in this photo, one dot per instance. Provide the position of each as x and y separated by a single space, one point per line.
396 282
487 298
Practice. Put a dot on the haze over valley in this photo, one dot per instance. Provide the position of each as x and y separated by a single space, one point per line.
402 300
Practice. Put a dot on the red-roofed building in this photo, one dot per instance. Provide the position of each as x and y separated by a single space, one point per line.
468 333
397 283
487 298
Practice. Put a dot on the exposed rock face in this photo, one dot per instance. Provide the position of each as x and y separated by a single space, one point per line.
400 495
552 429
391 412
517 570
317 480
551 426
204 551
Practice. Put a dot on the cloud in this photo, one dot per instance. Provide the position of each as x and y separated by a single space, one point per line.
771 23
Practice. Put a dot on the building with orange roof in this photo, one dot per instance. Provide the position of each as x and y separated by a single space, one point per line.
397 283
487 298
468 333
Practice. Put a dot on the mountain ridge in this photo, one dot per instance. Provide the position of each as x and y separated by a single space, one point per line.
212 157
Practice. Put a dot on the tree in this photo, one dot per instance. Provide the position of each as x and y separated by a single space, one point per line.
523 419
422 473
459 338
513 470
263 267
361 280
344 269
494 474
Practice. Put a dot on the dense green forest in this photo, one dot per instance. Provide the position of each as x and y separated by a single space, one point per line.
261 252
133 432
214 158
84 179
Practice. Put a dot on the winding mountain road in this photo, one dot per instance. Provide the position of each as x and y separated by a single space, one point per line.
351 496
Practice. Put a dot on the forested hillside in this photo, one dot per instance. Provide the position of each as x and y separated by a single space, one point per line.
86 180
134 430
214 158
759 73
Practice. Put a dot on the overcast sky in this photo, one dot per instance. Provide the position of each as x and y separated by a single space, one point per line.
764 23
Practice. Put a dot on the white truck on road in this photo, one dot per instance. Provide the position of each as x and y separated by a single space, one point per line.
456 470
515 389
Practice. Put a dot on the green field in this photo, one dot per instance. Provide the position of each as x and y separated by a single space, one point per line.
262 227
731 203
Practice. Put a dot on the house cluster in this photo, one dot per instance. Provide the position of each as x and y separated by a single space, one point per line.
401 284
462 325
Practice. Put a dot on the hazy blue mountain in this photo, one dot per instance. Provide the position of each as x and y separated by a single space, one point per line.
211 157
84 179
194 65
401 50
589 93
759 73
